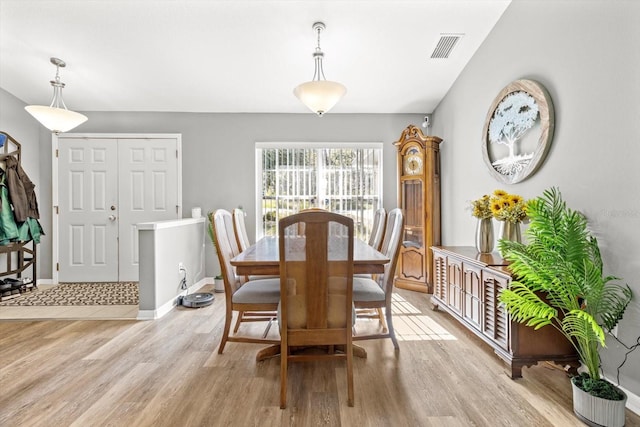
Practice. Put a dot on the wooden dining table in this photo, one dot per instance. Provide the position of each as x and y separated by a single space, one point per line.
263 258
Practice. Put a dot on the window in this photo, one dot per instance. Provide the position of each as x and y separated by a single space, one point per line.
342 178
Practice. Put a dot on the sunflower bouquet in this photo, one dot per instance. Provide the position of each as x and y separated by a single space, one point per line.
508 207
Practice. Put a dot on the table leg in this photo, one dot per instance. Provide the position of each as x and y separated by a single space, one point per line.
265 353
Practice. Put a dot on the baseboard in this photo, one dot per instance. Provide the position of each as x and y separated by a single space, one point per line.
633 400
169 305
45 282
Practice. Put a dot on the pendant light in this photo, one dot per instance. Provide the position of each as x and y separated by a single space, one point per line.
56 117
320 94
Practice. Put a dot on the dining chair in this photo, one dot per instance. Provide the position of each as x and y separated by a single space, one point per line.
369 293
377 231
316 289
240 230
242 244
254 300
375 240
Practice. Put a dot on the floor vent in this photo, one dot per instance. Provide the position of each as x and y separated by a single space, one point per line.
445 45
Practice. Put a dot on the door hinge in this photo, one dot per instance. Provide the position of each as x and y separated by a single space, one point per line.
56 208
56 152
57 266
176 154
177 209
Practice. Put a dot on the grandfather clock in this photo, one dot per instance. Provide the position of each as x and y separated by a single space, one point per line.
419 199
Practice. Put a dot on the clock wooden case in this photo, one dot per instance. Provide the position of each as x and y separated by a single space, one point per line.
419 199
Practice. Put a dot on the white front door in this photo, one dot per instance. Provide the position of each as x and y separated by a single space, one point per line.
106 186
88 182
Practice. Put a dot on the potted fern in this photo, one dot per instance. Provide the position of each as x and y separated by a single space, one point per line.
561 283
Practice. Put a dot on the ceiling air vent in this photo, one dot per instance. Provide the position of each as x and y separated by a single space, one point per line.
445 45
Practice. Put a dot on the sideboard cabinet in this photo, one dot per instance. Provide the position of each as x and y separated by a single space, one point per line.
467 285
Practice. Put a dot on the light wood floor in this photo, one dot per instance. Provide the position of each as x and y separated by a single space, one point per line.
167 373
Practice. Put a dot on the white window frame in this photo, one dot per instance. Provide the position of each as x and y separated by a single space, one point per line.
259 146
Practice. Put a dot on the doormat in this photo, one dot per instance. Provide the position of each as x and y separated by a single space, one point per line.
122 293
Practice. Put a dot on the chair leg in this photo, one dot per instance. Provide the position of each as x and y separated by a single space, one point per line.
392 334
284 355
382 321
350 397
238 321
225 332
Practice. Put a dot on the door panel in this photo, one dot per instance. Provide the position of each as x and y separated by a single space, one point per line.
148 191
88 185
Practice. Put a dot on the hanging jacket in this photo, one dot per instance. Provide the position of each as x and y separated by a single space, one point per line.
21 191
8 227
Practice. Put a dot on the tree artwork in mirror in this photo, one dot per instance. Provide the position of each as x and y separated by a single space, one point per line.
518 131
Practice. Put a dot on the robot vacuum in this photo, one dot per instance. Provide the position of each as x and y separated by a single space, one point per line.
199 299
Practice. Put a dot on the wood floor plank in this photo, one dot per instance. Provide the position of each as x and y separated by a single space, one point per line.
167 372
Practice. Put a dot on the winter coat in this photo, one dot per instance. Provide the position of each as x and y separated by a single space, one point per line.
21 191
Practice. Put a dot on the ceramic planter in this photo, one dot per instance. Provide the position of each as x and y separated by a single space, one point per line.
218 284
596 411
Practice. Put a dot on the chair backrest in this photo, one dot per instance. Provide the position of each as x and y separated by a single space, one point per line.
316 278
227 248
391 248
377 231
240 230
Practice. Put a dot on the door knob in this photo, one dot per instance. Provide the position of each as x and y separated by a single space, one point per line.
112 217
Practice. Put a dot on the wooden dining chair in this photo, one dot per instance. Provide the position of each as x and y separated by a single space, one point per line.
254 300
316 288
370 293
377 231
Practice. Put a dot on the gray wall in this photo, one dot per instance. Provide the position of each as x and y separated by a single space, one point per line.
218 153
587 55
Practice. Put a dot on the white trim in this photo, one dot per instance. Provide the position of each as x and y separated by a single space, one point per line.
54 179
633 400
170 223
169 305
54 203
284 144
120 135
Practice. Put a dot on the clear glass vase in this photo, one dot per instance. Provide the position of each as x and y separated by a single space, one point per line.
484 235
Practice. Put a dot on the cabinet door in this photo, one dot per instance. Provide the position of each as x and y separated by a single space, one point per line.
495 317
412 251
472 295
454 285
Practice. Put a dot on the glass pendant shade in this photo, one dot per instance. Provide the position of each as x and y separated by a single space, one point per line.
56 117
57 120
320 95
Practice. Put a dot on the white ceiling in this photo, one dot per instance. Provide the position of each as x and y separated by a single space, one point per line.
237 56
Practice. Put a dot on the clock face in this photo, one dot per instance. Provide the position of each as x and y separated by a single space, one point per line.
413 162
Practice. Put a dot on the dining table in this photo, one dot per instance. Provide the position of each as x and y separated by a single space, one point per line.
263 258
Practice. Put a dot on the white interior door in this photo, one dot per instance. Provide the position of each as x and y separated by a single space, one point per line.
148 191
105 187
87 177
